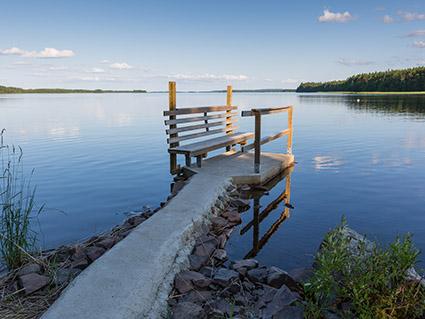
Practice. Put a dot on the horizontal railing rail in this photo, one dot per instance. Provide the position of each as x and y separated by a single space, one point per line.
258 141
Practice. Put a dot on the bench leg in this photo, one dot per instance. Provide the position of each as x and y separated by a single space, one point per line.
188 160
199 160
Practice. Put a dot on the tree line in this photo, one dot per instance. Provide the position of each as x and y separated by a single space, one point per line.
404 80
16 90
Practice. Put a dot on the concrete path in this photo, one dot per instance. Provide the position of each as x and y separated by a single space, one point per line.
134 278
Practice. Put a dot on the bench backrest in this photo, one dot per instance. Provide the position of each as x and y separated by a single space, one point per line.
195 122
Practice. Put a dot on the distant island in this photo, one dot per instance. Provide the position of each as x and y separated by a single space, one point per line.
15 90
404 80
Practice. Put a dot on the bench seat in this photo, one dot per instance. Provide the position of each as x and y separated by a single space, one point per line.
203 147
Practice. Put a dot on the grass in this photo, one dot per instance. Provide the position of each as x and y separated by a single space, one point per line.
370 284
17 207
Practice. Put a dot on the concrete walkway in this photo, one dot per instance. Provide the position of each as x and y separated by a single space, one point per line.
134 278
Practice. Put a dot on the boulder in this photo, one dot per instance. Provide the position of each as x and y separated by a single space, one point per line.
258 275
65 275
277 277
106 243
204 249
283 297
245 263
185 310
33 282
301 275
220 254
29 269
219 223
185 280
224 277
196 262
290 312
94 252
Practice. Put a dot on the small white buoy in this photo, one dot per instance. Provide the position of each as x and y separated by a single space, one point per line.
358 100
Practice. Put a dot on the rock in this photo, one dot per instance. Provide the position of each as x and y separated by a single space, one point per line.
224 307
185 280
196 262
79 253
11 288
220 254
185 310
106 243
29 269
258 274
94 252
222 239
224 277
218 223
207 271
245 263
301 275
245 188
290 312
268 294
277 277
135 220
178 186
65 275
283 297
198 297
202 282
80 264
240 203
33 282
204 249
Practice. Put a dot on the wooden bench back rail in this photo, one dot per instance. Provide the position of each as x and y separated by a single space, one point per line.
258 141
189 123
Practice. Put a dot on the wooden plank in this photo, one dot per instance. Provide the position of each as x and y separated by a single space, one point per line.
257 142
202 109
203 147
174 168
266 111
199 126
228 103
197 135
266 140
290 128
198 118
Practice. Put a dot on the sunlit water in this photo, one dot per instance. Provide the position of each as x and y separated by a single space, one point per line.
97 157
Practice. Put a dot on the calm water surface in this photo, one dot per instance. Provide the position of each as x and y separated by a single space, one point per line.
97 157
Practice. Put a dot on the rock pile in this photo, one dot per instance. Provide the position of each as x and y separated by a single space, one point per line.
214 287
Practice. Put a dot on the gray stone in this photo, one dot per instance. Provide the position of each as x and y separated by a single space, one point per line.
245 263
185 280
301 275
234 217
283 297
207 271
224 277
79 253
220 254
185 310
204 249
80 264
29 269
258 274
65 275
222 239
219 223
290 312
196 262
94 252
106 243
239 202
33 282
277 277
198 296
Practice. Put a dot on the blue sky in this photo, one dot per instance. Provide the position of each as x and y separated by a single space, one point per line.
204 44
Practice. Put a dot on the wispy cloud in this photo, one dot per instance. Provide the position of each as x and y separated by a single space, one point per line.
45 53
419 44
340 17
58 68
354 62
417 33
411 16
96 70
120 66
388 19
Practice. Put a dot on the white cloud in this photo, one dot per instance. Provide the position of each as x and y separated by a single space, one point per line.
45 53
411 16
417 33
120 66
419 44
353 62
329 16
58 68
388 19
96 70
105 61
209 77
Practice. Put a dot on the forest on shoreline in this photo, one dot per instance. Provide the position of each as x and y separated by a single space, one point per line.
15 90
404 80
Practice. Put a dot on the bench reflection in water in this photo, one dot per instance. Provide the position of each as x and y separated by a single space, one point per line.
270 211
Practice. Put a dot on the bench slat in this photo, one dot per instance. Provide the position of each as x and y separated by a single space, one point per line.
204 147
266 140
199 126
201 134
202 109
199 118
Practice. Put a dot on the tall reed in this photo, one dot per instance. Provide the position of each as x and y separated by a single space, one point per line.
17 206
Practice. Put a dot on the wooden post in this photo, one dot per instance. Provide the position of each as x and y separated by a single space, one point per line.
257 142
289 146
228 113
174 169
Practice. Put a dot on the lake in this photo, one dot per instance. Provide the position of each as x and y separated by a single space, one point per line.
98 157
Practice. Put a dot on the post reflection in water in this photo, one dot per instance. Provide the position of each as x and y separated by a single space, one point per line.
258 215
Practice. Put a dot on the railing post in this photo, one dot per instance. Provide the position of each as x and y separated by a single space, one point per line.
172 106
257 142
229 112
289 146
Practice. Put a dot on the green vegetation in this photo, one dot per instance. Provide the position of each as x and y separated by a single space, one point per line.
16 207
14 90
368 284
406 80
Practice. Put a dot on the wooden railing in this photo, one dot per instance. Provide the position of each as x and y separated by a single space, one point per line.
257 113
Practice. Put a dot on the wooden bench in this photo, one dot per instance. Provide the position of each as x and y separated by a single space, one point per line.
205 121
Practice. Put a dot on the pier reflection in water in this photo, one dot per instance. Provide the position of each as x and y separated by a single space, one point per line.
264 217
